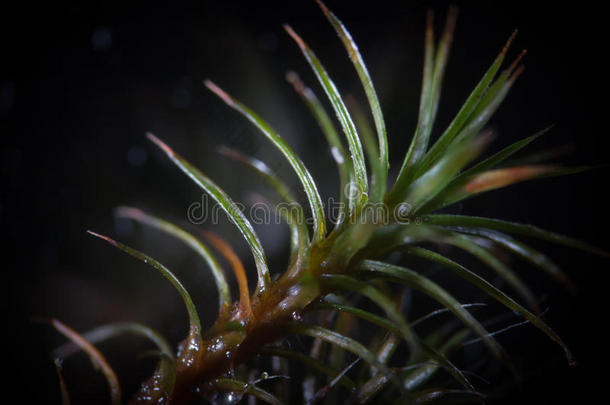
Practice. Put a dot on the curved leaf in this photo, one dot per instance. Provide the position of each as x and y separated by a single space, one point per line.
493 292
342 115
467 243
370 149
349 283
360 313
526 252
441 199
465 112
500 156
224 294
309 185
238 269
195 324
228 206
434 69
371 95
291 209
427 286
511 227
344 166
432 182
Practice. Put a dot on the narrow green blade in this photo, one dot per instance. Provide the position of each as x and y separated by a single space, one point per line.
349 283
469 244
371 94
434 70
378 174
195 324
511 227
508 75
467 108
427 286
301 171
224 294
432 182
290 209
229 207
499 157
528 253
344 165
343 115
97 358
493 292
442 198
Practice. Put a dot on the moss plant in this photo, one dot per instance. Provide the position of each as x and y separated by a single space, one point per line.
338 261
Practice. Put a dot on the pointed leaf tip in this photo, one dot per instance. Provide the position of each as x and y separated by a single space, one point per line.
106 238
309 185
341 112
325 9
226 203
224 96
294 36
510 40
195 323
162 145
517 60
194 243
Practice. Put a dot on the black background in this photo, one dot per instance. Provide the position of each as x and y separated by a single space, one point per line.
82 84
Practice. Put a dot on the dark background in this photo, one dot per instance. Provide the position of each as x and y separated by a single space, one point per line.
81 85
